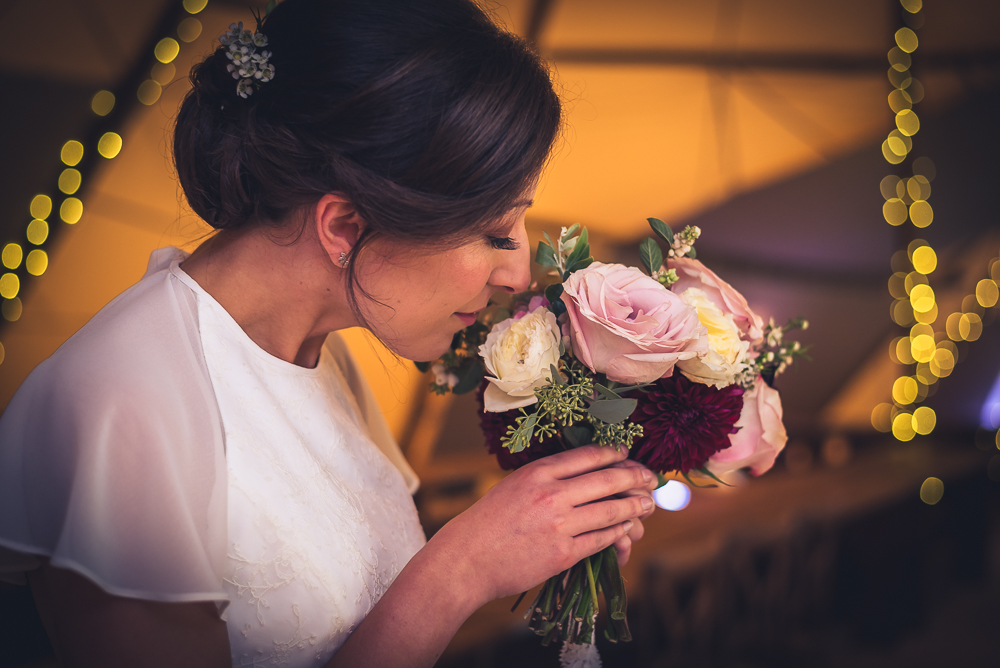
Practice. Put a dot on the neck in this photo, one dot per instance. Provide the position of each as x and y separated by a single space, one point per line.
286 297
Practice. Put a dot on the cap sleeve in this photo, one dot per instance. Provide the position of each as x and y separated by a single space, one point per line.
111 454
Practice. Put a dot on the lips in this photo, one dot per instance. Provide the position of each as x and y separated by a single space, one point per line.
467 318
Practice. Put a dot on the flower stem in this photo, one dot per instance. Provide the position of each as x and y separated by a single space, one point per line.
590 581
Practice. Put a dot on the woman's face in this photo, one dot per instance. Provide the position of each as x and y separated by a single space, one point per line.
427 296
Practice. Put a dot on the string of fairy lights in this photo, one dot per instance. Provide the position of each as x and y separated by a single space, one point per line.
934 344
28 258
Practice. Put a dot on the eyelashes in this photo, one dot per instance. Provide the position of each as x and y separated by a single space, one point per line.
504 243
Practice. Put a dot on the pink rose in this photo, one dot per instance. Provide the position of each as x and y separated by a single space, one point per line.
761 434
693 274
628 326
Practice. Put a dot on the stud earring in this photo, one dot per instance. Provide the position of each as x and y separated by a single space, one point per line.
343 259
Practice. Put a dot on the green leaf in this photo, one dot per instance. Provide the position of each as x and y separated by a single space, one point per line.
612 411
704 471
554 375
554 292
651 256
694 484
662 229
693 254
661 480
423 367
577 265
548 239
605 392
528 429
469 377
545 256
570 231
628 388
578 434
581 250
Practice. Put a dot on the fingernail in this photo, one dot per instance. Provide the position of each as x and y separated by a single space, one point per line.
647 475
627 526
646 503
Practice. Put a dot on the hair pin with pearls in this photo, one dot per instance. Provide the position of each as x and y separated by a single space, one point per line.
249 66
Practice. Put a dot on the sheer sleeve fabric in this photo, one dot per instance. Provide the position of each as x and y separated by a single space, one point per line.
369 410
111 452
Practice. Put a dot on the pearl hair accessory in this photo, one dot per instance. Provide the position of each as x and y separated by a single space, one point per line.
249 66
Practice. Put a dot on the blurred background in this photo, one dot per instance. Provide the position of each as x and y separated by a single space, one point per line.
841 161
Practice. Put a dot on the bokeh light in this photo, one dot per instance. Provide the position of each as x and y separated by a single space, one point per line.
894 211
899 59
674 495
166 49
951 327
195 6
69 180
103 102
71 210
41 206
901 350
908 122
899 100
897 287
901 312
37 262
924 420
922 348
918 187
904 391
882 417
2 353
921 213
912 6
931 491
38 232
906 40
970 326
189 29
902 427
922 298
71 153
925 167
987 293
12 256
109 145
925 260
10 285
149 92
11 309
163 73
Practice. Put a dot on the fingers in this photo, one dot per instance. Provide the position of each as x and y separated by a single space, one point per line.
607 482
653 482
593 542
578 461
645 493
606 513
623 546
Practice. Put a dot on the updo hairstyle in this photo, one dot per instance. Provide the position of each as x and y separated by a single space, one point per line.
428 117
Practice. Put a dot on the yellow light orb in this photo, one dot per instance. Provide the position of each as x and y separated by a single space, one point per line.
971 305
921 213
904 390
917 330
987 293
925 260
897 146
10 284
894 211
194 6
922 298
11 309
903 347
951 327
37 262
922 348
970 326
918 187
41 206
887 186
71 153
163 73
103 102
896 285
12 255
109 145
902 427
71 210
906 40
149 92
931 491
38 232
908 122
995 271
882 417
189 29
928 317
942 363
912 6
901 312
890 155
69 181
166 49
899 59
899 100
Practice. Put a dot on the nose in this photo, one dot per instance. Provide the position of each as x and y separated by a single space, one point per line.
513 273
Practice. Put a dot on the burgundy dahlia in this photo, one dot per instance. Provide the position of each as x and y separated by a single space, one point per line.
684 423
494 426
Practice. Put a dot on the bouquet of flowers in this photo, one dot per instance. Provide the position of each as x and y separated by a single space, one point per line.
670 363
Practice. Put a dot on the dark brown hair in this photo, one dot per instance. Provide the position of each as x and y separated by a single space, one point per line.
428 117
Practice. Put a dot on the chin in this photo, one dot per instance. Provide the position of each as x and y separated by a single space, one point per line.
423 350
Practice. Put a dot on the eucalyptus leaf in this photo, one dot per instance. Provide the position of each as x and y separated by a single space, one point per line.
612 411
693 254
581 250
554 375
469 377
662 229
545 256
605 392
651 256
549 239
528 427
570 231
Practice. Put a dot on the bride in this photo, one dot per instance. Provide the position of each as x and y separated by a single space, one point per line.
200 476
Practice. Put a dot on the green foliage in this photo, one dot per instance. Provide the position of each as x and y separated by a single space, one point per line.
662 230
650 255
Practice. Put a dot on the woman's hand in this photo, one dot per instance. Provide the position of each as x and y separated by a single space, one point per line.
624 544
545 517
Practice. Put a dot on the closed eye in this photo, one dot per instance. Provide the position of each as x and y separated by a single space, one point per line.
504 243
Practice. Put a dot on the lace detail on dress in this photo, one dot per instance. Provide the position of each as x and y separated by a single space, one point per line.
320 522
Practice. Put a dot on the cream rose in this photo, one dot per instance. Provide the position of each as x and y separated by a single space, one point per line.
727 352
519 353
693 274
628 326
761 434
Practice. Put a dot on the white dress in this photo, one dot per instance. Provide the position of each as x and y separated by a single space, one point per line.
318 518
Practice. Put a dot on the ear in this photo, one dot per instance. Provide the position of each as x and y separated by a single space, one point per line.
338 226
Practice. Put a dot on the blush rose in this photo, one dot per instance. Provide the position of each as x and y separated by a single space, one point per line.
761 435
693 274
